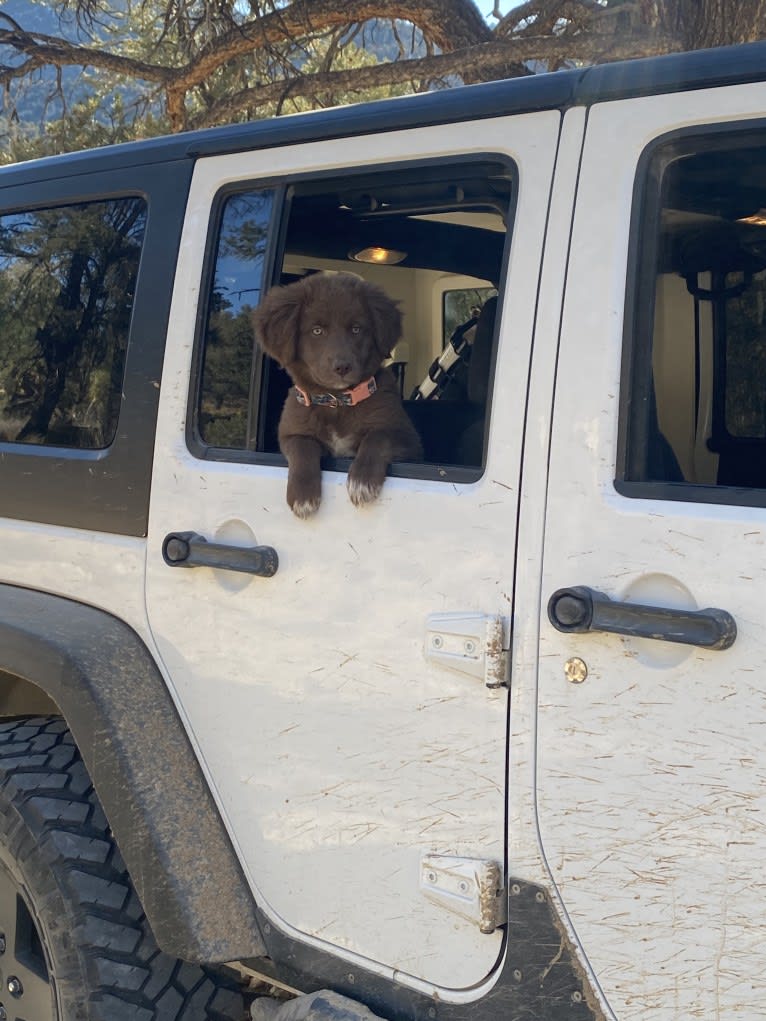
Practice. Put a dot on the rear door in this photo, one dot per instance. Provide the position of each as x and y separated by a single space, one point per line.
650 771
343 751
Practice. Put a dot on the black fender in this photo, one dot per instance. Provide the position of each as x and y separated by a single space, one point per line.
105 682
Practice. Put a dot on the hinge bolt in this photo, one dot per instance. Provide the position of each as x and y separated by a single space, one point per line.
437 641
15 988
470 647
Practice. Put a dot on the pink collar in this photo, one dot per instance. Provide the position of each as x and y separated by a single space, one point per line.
348 398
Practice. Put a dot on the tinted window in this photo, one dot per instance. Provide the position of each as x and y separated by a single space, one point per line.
744 330
67 281
228 351
461 305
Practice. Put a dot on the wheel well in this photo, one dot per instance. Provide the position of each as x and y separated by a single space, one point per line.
99 675
20 697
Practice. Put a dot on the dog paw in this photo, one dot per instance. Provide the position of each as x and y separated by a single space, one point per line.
362 492
304 508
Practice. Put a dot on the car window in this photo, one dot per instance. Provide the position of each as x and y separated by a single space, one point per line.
694 410
67 281
228 349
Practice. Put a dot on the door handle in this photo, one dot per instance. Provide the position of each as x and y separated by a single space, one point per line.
577 609
188 549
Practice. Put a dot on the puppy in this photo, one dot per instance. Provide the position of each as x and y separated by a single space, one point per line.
331 332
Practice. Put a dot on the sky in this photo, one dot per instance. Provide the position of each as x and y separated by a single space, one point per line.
485 6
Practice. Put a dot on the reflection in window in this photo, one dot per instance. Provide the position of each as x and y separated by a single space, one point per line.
228 357
67 281
462 305
744 332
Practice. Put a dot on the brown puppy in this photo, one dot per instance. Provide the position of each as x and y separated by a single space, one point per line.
331 332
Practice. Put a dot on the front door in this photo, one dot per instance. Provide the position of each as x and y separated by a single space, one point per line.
651 792
343 750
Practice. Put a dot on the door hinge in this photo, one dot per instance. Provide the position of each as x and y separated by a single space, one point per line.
471 643
470 887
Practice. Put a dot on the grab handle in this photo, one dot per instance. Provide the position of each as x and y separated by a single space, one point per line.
579 609
188 549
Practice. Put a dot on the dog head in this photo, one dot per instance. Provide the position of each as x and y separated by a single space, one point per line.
329 330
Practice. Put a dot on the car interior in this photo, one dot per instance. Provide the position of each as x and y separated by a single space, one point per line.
699 386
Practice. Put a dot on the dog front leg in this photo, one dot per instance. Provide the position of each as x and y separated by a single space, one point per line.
304 474
368 469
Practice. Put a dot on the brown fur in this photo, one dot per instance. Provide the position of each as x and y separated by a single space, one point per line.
331 332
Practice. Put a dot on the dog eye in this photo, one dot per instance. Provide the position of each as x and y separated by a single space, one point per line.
317 331
356 329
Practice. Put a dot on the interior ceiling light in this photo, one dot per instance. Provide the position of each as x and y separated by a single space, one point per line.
758 219
377 255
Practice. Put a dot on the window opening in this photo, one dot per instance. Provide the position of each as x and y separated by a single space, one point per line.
697 411
412 232
67 281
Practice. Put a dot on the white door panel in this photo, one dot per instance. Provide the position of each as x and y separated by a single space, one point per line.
338 753
651 793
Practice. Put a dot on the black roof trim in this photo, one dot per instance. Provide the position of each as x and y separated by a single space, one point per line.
676 72
557 91
447 106
493 99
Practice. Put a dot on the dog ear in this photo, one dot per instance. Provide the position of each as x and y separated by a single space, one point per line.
276 322
386 318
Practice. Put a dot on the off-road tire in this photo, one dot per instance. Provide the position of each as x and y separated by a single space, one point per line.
72 929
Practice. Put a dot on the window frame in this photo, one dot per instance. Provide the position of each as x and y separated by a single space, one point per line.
640 300
283 187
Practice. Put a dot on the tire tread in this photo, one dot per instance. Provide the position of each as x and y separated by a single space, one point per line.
51 819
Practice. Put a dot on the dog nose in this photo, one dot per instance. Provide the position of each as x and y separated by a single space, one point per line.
342 368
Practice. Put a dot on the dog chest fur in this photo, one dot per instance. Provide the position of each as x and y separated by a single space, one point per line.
340 446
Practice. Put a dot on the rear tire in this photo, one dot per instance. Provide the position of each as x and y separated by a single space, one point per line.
75 944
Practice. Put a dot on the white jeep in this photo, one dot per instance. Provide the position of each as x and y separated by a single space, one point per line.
489 748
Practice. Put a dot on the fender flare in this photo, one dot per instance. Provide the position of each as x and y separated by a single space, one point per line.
104 680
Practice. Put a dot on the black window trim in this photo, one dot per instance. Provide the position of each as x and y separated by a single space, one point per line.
640 298
282 187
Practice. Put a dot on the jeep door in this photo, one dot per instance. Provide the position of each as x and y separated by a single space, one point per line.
650 778
348 733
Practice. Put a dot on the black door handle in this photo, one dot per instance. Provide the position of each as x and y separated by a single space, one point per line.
583 609
188 549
